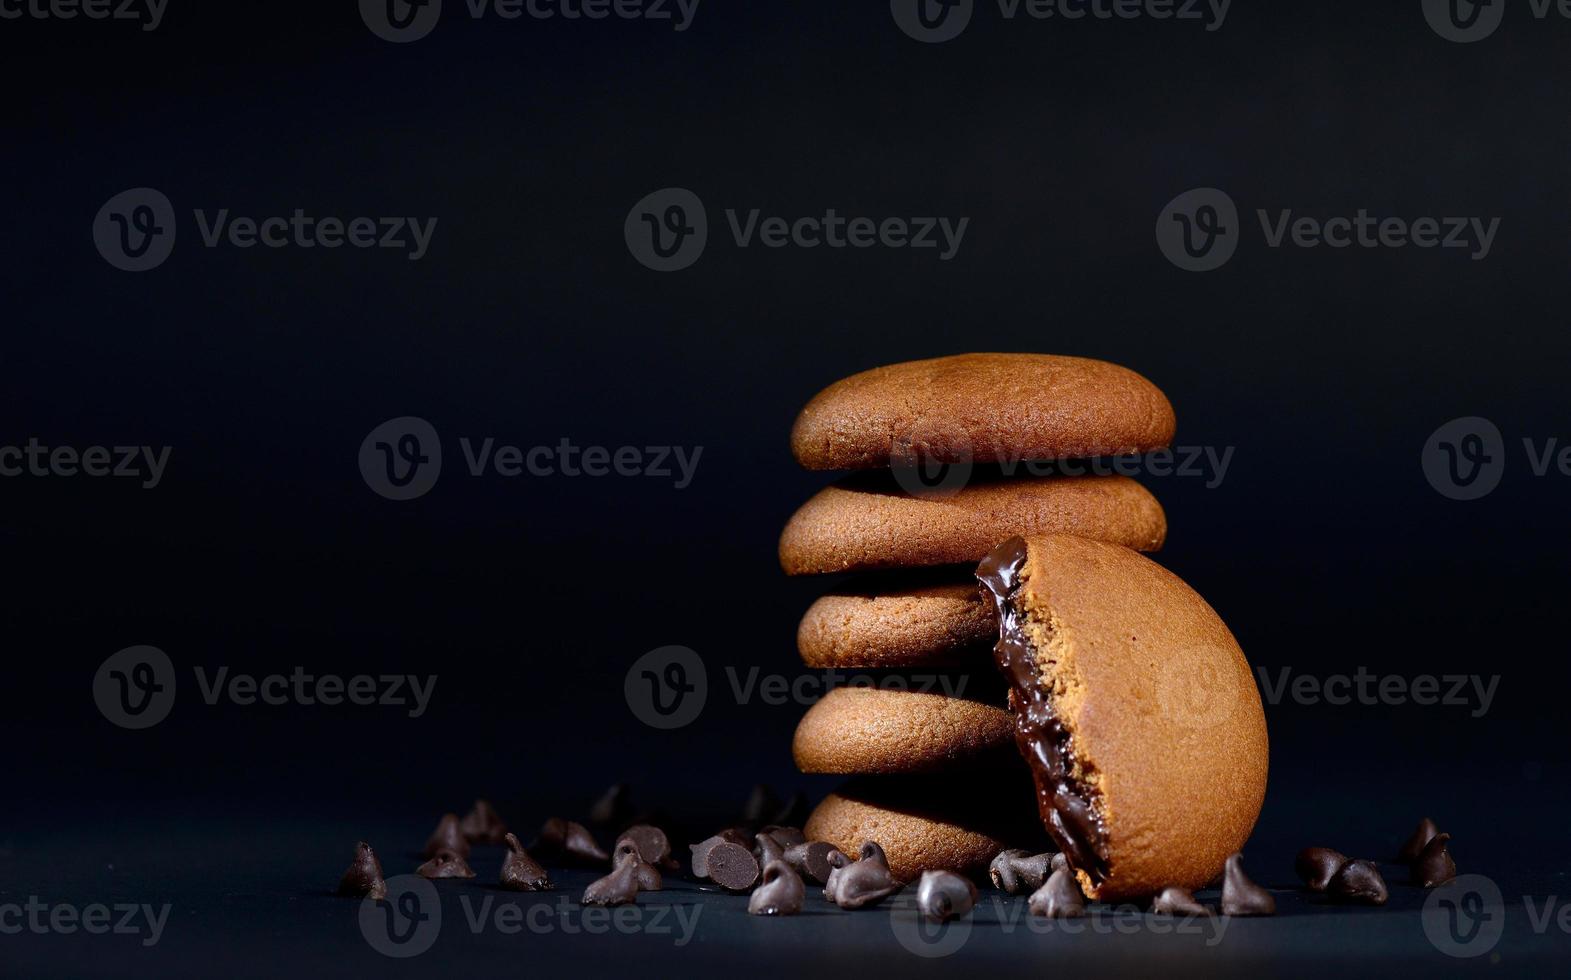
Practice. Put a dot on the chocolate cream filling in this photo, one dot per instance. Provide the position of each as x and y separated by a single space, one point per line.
1067 805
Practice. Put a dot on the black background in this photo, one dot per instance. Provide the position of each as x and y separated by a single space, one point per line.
529 321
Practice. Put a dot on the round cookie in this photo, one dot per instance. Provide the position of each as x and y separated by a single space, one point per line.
869 522
871 730
937 823
1136 712
981 408
906 621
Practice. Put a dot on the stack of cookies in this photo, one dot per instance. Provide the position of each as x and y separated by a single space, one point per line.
953 456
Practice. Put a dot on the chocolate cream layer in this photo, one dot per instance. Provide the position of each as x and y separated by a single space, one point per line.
1068 808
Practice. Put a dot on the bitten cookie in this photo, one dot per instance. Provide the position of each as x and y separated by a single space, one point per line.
981 408
1135 709
901 621
928 823
868 730
868 521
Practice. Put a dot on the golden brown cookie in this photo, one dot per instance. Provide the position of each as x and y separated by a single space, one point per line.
981 408
870 730
1136 711
867 521
929 823
900 621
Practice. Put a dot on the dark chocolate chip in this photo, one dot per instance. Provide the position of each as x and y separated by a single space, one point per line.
813 859
780 892
1434 866
944 895
1422 835
568 839
1358 882
1240 896
446 864
1317 866
620 887
1018 871
767 849
613 809
520 872
483 825
649 879
1058 898
731 866
448 836
1174 900
784 836
865 881
653 845
363 879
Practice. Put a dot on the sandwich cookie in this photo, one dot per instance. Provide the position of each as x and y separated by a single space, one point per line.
928 823
855 730
868 522
904 621
982 408
1135 710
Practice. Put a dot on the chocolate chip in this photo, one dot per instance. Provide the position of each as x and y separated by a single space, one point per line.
865 881
767 849
784 836
483 825
613 809
653 845
731 866
648 875
944 895
1358 881
448 836
363 879
1240 896
446 864
1174 900
620 887
1434 866
1422 835
1018 871
568 839
1317 866
520 872
813 859
1058 898
780 893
